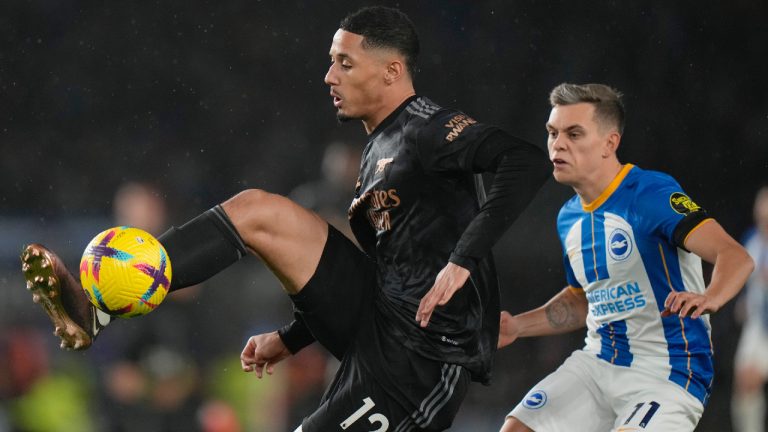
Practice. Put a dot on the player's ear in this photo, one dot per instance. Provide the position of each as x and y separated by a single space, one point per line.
395 71
611 144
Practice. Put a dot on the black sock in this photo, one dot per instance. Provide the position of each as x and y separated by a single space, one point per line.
202 247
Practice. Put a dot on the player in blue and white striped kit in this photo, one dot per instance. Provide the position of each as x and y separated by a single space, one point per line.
633 243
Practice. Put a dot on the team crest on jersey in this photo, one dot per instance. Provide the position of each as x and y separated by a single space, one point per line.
381 164
682 204
535 399
619 244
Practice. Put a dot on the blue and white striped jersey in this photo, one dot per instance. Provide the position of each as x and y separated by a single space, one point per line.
625 251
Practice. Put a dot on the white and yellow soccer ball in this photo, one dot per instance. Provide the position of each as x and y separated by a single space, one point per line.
125 272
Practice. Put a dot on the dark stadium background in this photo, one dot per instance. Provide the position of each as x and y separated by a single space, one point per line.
207 98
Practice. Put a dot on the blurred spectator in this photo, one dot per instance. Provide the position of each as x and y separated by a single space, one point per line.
140 205
331 195
257 405
25 378
151 378
24 359
218 416
748 411
308 372
159 372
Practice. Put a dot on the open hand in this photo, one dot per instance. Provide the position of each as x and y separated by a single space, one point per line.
263 352
450 279
686 303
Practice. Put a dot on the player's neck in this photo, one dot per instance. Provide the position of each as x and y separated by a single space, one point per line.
594 187
390 102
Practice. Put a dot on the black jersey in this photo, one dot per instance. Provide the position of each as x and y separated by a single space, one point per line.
414 199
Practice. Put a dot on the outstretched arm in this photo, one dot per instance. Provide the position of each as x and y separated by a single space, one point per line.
565 312
732 267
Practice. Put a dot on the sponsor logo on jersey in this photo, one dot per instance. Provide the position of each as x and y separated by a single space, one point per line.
379 203
456 126
616 299
619 244
381 164
682 204
535 399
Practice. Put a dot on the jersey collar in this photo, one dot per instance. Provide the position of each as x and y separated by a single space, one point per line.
390 118
609 190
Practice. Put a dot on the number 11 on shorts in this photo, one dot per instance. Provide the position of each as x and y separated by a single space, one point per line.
652 408
373 418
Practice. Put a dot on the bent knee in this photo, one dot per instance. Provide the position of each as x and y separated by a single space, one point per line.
256 213
254 209
249 198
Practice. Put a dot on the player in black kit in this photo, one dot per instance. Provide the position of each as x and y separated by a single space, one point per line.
415 316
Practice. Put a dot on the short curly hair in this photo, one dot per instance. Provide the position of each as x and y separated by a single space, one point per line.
385 27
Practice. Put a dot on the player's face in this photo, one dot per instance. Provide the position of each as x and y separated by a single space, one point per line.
355 77
577 144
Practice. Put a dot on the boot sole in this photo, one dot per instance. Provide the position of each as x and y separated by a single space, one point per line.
46 291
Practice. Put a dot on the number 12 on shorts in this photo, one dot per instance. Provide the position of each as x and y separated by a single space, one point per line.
368 404
652 408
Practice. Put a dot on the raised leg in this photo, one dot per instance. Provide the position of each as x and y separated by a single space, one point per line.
289 238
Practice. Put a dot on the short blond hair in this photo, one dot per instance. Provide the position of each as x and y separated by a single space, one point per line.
609 107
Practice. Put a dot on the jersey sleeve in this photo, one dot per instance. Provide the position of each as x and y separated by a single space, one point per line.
296 335
570 277
566 218
519 168
449 140
667 210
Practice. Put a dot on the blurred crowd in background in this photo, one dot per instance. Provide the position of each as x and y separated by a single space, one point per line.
147 113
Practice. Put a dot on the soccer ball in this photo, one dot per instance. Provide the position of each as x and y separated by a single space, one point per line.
125 272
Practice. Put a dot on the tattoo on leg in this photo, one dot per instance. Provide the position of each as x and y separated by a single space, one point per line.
560 314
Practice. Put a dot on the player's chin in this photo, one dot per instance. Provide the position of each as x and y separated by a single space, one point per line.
344 117
561 177
565 176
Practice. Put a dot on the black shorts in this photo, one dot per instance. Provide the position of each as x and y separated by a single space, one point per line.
380 385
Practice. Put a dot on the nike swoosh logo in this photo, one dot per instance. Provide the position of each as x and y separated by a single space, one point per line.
100 320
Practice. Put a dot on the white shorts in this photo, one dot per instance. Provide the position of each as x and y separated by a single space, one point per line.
753 347
589 394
